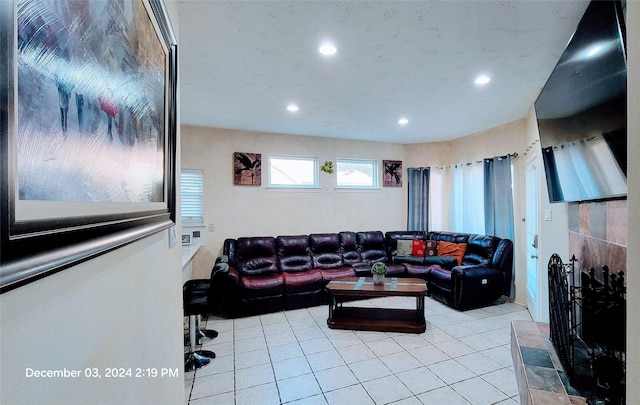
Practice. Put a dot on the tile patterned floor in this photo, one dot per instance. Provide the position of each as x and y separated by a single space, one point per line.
292 357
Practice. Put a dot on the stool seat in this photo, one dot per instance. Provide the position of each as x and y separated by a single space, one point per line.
196 302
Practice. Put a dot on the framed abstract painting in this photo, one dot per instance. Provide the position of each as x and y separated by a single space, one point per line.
88 125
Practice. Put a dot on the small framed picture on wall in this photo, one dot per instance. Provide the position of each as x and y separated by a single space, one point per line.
247 169
392 173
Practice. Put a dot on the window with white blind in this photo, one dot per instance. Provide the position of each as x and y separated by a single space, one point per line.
191 194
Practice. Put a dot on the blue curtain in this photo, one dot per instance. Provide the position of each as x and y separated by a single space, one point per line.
498 204
418 188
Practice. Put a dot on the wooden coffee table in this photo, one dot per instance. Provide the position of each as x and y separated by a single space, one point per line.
379 319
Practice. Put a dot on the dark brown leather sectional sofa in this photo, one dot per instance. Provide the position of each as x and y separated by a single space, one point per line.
268 274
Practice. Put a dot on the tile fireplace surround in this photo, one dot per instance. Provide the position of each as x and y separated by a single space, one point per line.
537 366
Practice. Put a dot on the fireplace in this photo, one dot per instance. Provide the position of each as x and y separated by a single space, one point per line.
587 322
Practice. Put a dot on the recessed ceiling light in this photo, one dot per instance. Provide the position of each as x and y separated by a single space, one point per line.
403 121
327 49
292 108
483 79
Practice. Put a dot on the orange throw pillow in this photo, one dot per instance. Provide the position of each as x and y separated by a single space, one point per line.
417 248
452 249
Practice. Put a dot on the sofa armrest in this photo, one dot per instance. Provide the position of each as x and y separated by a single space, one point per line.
233 275
476 285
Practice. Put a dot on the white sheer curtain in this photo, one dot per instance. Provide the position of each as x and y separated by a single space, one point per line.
587 169
609 174
466 204
437 200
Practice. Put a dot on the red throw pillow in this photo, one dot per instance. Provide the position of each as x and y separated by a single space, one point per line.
417 248
431 248
452 249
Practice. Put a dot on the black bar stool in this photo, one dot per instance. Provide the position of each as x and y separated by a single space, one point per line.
193 307
196 299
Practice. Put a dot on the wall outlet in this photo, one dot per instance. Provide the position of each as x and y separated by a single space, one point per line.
210 227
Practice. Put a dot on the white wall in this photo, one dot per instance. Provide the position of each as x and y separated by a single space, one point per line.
121 309
633 203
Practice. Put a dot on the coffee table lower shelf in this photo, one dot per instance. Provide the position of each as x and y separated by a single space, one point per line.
376 319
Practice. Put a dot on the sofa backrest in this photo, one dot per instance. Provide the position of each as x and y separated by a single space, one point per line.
503 256
256 255
293 253
349 247
371 246
392 237
480 249
325 250
449 236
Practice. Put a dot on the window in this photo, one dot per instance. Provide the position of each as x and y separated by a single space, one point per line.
293 172
191 192
353 173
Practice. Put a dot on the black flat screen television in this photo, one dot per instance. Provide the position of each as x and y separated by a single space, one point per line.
582 111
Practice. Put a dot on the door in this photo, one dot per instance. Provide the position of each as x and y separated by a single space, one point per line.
533 282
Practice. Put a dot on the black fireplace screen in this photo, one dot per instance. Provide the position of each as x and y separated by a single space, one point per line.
587 321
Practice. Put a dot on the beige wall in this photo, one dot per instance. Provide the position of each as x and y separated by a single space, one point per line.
121 309
245 210
238 211
633 203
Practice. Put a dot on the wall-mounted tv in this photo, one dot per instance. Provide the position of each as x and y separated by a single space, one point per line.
582 111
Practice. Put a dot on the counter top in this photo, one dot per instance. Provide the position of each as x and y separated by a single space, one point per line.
187 254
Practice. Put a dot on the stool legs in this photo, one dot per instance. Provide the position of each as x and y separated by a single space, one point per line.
196 358
204 335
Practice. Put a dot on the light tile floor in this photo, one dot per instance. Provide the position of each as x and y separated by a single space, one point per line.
292 357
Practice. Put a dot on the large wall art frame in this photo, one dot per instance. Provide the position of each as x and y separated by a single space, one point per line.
81 176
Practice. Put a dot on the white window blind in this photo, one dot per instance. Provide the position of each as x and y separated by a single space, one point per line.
191 194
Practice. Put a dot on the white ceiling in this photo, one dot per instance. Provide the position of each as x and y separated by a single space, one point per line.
243 62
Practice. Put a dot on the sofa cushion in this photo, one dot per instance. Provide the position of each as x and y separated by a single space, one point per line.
452 249
417 270
260 286
302 281
431 248
349 247
439 275
404 247
395 269
417 248
325 250
293 253
332 274
256 256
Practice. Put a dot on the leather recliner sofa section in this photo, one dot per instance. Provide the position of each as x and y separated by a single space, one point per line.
268 274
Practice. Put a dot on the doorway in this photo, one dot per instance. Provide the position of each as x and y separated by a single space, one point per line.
531 221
